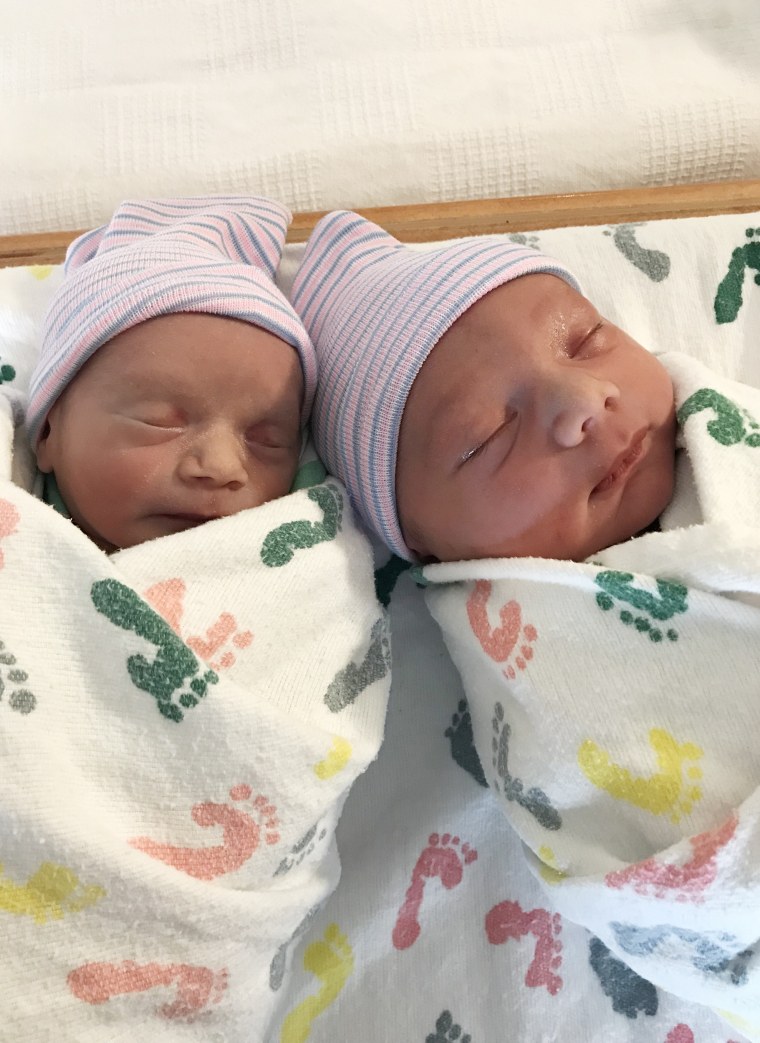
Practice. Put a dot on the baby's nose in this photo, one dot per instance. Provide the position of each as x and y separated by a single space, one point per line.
579 401
216 457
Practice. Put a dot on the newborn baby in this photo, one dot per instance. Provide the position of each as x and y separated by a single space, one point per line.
204 681
168 391
475 403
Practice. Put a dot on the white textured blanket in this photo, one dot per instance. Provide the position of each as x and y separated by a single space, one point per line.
348 103
615 708
181 723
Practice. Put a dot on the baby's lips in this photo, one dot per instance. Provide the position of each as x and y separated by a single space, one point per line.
623 463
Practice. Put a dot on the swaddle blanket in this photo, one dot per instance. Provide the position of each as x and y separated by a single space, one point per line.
179 726
615 707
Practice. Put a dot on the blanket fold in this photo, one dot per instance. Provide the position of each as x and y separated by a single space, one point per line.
614 706
180 724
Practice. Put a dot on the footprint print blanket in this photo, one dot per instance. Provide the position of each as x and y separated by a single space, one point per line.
180 724
615 708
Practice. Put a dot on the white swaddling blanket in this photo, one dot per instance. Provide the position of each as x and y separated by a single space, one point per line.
615 710
493 959
181 723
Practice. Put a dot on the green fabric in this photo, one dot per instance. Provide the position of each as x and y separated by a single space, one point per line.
52 494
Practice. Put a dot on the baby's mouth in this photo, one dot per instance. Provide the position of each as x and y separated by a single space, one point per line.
623 465
187 520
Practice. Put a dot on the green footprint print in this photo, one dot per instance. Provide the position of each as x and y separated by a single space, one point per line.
7 373
174 663
653 263
728 296
281 543
349 682
669 600
728 426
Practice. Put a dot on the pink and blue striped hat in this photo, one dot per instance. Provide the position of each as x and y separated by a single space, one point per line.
374 310
216 255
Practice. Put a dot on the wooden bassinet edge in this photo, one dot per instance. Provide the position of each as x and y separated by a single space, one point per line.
425 222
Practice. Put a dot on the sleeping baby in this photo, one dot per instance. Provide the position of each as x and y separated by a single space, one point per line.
185 713
587 513
174 377
453 453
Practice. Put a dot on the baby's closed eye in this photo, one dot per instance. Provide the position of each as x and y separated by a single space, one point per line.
154 413
507 427
273 435
146 425
588 344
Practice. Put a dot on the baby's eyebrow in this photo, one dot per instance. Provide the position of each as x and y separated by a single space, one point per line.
456 432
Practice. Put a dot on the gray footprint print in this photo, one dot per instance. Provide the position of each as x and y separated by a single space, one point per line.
447 1030
349 682
653 263
20 699
533 800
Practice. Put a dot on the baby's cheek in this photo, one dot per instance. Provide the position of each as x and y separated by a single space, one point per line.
135 471
273 482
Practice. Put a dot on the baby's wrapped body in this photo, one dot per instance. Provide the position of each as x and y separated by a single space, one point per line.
185 713
182 721
615 710
490 422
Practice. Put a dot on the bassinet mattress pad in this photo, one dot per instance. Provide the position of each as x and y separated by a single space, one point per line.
441 926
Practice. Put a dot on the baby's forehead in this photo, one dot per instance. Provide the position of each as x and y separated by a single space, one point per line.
510 315
535 296
241 369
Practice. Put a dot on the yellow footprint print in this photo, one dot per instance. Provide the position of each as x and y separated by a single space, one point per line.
48 894
550 870
40 271
337 758
750 1029
331 961
666 792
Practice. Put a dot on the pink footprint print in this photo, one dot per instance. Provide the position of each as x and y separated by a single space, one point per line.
168 599
441 858
241 834
680 1034
507 921
9 519
216 636
500 642
683 883
683 1034
197 987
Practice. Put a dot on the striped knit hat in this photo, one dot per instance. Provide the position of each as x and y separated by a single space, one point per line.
216 255
374 310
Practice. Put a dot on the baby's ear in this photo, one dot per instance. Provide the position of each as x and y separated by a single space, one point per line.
44 450
416 544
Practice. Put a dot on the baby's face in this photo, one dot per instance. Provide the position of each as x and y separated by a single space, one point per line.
179 420
534 428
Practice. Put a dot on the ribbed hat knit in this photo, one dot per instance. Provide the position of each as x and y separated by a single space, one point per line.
374 310
217 255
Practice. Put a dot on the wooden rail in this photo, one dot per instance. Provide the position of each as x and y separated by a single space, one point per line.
424 222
